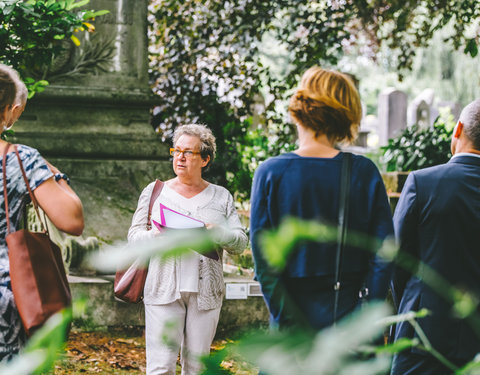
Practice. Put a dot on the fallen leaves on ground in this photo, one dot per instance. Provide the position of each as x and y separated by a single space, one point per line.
103 352
122 351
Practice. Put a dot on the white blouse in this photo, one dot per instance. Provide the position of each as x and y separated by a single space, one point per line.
196 273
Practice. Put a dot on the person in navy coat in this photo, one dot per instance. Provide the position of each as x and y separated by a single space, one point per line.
305 184
437 225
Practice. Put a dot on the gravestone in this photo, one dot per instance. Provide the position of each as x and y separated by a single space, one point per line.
92 121
392 114
419 113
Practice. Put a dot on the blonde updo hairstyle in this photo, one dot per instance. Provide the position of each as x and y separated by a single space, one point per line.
208 146
328 103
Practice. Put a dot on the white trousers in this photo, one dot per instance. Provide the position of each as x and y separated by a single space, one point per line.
178 326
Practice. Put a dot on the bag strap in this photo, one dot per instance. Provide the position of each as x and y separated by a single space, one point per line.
5 194
157 189
342 224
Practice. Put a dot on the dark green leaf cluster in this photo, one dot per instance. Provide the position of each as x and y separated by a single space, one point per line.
205 67
404 26
251 147
418 148
206 61
33 32
202 52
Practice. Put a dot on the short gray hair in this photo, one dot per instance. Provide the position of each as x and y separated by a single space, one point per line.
470 118
8 88
207 139
22 93
21 90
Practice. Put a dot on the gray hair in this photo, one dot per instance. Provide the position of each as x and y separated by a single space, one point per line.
8 88
22 93
207 139
470 118
21 90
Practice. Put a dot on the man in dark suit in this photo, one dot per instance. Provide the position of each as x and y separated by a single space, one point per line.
437 226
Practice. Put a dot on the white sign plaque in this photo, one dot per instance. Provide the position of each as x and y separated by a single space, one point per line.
236 291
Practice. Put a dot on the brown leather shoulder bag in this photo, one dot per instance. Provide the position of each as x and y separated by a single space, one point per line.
129 284
39 282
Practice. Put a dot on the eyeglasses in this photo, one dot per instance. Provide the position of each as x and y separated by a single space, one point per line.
175 152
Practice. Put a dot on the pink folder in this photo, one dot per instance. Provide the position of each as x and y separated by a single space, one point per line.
172 219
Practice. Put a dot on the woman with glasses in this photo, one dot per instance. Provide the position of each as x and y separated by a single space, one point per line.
305 184
183 295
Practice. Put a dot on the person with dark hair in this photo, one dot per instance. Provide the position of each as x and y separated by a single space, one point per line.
51 190
305 184
436 222
183 295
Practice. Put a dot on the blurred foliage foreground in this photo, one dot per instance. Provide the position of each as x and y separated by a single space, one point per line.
346 348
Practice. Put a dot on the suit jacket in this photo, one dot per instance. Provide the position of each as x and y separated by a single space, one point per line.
437 223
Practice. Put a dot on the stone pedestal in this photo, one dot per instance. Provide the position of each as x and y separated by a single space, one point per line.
93 120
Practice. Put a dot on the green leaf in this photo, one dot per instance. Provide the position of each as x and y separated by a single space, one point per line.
174 243
411 315
278 244
75 40
77 5
398 346
6 134
471 48
90 14
330 351
43 347
467 369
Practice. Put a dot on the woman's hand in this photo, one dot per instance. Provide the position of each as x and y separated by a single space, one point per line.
155 231
217 233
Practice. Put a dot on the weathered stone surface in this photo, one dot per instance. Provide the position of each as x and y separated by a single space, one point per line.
419 113
93 124
392 114
103 310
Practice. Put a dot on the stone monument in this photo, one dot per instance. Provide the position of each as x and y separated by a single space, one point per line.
392 114
93 120
419 113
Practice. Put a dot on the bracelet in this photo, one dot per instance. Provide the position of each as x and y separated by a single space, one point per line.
62 176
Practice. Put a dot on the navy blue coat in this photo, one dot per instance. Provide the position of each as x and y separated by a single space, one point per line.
437 221
309 188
